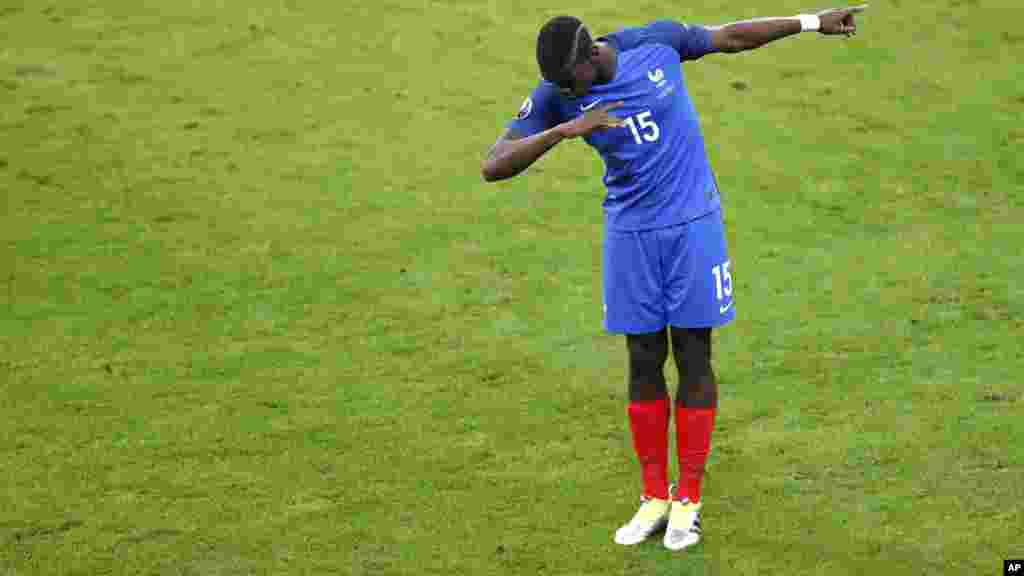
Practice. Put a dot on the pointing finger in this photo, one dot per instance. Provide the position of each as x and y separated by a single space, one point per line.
857 9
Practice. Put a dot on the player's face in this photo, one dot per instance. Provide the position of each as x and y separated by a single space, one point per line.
586 73
583 76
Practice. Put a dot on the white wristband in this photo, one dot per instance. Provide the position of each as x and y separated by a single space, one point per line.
809 22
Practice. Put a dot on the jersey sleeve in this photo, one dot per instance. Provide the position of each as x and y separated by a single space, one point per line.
539 112
691 42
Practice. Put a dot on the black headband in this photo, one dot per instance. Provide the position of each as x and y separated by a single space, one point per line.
582 38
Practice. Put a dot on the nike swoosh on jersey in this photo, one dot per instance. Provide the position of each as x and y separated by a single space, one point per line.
724 309
589 106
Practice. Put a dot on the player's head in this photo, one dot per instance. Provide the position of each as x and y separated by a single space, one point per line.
566 55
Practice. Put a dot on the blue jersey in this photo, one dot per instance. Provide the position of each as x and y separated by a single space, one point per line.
656 169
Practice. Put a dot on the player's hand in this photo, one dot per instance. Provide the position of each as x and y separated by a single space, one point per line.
593 120
837 21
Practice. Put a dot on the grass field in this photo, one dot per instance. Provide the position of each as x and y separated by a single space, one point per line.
260 315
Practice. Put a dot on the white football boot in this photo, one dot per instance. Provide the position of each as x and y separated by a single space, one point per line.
683 525
651 517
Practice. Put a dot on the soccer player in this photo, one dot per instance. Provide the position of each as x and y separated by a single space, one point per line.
666 272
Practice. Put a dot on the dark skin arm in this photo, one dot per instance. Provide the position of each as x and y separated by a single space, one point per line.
512 154
751 34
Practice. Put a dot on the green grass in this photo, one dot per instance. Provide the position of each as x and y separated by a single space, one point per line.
261 316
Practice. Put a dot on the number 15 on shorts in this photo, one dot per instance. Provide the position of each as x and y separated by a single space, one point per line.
723 286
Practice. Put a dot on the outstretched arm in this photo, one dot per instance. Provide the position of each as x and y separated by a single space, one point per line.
693 42
750 34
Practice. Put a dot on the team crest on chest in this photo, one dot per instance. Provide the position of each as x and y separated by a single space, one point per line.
657 76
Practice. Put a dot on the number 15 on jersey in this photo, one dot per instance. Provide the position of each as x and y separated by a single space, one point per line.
643 127
723 286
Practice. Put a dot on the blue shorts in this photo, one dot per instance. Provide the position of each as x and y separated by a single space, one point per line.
677 276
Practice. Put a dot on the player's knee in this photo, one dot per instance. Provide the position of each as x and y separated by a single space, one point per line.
692 350
647 355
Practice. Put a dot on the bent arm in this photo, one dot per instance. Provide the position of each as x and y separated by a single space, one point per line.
511 154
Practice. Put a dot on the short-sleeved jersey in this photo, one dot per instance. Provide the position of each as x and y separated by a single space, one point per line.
656 169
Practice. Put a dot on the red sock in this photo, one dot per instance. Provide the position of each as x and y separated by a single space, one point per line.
693 442
648 422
